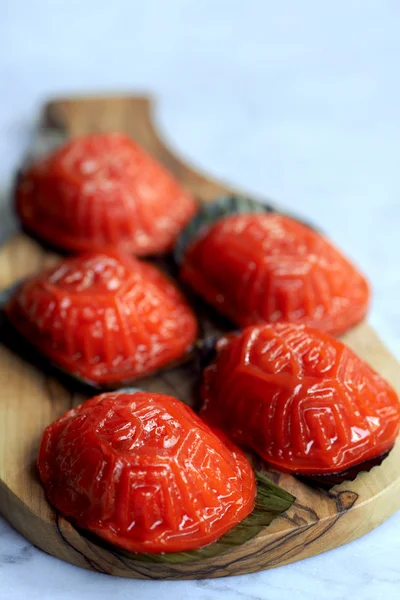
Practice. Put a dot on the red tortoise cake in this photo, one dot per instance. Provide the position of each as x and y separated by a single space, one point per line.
300 399
265 267
145 473
103 190
104 317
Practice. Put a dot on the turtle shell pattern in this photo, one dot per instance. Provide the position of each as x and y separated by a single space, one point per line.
104 316
258 268
103 190
145 473
300 399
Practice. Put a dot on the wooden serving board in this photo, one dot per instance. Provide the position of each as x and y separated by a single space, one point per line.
29 400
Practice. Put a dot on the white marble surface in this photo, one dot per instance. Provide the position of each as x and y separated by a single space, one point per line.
296 100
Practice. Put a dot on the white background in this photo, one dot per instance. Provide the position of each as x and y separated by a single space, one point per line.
295 100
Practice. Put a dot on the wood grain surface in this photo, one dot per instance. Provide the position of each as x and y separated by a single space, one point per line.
29 400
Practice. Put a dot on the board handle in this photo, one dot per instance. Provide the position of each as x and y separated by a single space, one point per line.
132 115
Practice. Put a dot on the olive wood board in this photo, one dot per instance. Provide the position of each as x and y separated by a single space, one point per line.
29 400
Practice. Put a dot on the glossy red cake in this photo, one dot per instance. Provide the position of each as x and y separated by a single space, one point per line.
103 190
300 399
104 317
257 268
144 473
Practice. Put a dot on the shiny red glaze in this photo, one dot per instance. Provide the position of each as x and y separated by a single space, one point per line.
145 473
299 398
105 316
268 268
103 189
